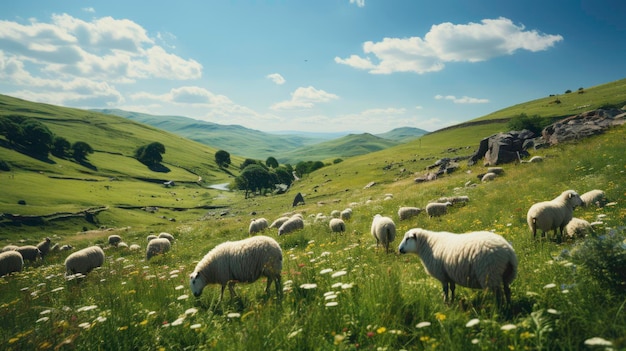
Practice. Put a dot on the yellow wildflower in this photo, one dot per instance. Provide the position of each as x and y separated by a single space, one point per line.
381 330
440 316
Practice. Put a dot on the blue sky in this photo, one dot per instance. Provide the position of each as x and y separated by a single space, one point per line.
323 65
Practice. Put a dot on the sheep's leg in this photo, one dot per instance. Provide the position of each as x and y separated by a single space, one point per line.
507 294
279 290
445 291
222 292
231 288
452 288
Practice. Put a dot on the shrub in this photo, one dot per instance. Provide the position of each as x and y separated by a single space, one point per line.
522 121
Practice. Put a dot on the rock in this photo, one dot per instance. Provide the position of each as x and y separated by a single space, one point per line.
502 148
582 125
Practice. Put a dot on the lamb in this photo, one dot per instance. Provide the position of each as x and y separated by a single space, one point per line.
383 230
167 236
595 197
477 260
337 225
578 228
487 177
239 261
257 225
553 214
294 223
408 212
335 213
44 247
157 246
134 247
150 237
279 221
29 252
10 261
84 261
346 214
114 240
436 209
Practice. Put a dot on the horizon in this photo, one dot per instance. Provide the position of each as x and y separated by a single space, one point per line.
363 66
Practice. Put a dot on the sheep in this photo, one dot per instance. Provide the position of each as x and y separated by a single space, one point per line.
122 245
29 252
436 209
84 261
453 199
320 218
239 261
150 237
279 221
337 225
383 230
594 197
335 213
167 236
134 247
156 247
9 248
408 212
295 222
553 214
478 260
44 247
114 240
487 177
578 228
66 247
10 261
257 225
346 214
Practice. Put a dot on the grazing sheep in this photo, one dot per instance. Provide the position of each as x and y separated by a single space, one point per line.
383 230
114 240
257 225
44 247
335 213
10 261
553 214
29 252
134 247
122 245
157 246
66 247
478 260
337 225
578 228
487 177
346 214
453 199
239 261
320 218
408 212
9 248
279 221
594 197
167 236
84 261
294 223
150 237
436 209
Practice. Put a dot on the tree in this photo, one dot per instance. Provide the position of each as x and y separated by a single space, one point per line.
250 161
283 176
60 146
533 123
222 158
80 150
305 167
271 162
150 155
37 138
254 178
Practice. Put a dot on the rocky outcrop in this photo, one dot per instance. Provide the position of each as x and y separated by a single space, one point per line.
502 148
583 125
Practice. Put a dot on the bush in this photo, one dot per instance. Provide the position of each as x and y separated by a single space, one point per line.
603 259
533 123
4 166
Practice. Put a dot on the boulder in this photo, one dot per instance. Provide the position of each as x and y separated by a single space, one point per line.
502 148
582 125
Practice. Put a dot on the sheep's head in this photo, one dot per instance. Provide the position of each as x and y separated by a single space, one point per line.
196 283
409 242
573 198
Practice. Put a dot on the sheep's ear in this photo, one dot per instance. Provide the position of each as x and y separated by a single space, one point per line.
193 275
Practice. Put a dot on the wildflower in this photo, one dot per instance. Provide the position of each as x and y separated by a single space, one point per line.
85 325
308 286
370 334
339 339
422 325
195 326
87 308
508 327
339 274
347 286
179 287
183 297
45 345
100 319
552 311
122 328
143 322
598 341
45 312
526 335
424 338
440 316
472 322
233 315
179 321
57 289
550 286
294 333
381 330
332 304
42 319
327 270
191 311
475 341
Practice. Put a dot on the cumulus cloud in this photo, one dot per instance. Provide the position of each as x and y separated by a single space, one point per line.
448 42
304 98
89 9
462 100
276 78
359 3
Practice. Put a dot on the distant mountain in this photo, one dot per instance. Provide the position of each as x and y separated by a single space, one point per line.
403 134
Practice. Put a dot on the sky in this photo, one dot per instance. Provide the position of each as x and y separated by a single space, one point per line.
315 65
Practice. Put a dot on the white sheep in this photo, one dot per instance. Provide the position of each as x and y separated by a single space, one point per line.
337 225
578 228
167 236
487 177
453 199
257 225
114 240
134 247
407 212
29 252
122 245
320 218
279 221
383 230
84 261
10 261
346 214
553 214
150 237
335 213
157 246
594 197
44 247
9 248
294 223
478 260
436 209
239 261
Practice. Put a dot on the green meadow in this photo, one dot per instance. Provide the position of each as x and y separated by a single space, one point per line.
340 292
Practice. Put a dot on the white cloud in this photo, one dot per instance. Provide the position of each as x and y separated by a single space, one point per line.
462 100
305 98
448 42
359 3
89 9
276 78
